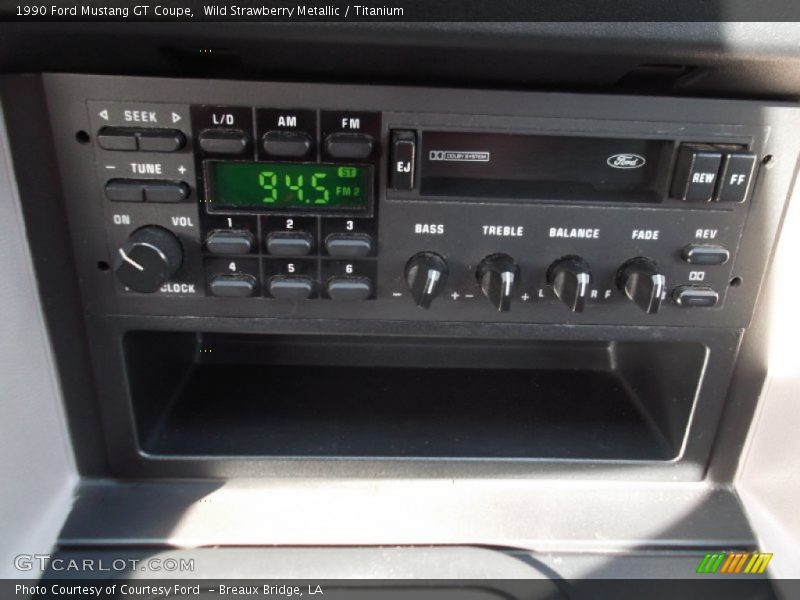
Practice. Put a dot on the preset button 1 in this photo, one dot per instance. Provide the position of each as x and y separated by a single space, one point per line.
229 241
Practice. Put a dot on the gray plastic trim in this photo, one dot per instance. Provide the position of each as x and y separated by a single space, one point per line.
37 468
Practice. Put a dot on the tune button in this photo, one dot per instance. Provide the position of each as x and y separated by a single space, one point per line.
165 191
289 243
349 288
690 296
348 245
233 285
124 190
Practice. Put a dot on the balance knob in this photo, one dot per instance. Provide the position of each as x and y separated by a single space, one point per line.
149 258
641 282
570 277
426 273
497 275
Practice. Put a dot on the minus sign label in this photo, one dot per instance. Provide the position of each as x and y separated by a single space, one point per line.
110 167
469 295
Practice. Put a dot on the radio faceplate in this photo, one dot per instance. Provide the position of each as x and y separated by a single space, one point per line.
487 206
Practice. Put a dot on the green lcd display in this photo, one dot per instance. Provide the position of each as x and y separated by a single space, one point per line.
289 186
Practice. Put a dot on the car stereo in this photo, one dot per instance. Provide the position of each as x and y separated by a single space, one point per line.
360 202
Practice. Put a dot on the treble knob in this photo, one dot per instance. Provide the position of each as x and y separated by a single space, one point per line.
641 282
498 275
426 274
570 278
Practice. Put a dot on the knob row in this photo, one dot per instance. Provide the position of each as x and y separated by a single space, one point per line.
569 277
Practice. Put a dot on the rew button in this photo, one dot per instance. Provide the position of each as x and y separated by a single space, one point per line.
696 173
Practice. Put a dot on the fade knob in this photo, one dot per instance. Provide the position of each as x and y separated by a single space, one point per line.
641 282
150 257
426 274
498 275
570 278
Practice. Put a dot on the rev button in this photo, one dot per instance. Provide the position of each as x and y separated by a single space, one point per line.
701 254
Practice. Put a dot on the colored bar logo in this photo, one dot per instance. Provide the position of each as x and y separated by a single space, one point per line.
732 563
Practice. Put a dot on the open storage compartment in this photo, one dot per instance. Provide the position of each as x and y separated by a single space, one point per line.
360 396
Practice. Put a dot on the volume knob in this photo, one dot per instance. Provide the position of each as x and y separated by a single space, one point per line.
425 273
498 275
149 258
570 277
641 282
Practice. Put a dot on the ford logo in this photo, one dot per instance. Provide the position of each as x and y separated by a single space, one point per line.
626 161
